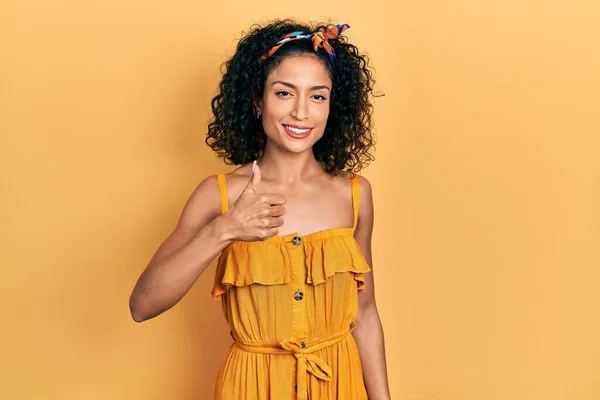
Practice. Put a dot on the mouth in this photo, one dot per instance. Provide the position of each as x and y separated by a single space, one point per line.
297 131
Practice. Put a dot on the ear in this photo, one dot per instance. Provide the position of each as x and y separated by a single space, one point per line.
257 107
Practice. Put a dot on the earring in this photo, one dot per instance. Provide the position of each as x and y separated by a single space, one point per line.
256 110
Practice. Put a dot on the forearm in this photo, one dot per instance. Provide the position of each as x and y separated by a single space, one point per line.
165 281
370 341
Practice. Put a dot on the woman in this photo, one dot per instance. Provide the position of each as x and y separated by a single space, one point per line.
293 110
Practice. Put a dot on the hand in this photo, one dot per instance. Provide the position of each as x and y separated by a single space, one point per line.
256 216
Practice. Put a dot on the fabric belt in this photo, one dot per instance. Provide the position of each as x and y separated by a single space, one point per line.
306 361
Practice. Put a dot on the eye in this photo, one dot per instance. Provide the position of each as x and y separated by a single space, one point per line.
282 93
320 97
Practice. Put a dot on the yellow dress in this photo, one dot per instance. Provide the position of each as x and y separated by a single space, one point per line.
290 302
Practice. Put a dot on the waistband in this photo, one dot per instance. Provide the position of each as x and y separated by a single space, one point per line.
306 361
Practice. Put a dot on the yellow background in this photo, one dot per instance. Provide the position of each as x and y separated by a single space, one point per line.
486 187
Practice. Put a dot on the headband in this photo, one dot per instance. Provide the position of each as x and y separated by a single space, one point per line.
319 39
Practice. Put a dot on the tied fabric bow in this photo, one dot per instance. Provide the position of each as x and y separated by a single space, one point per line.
307 362
319 39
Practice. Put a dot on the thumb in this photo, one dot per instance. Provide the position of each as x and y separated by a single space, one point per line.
252 185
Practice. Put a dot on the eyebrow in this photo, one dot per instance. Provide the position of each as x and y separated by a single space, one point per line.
294 87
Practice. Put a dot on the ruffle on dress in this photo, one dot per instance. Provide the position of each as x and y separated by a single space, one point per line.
268 262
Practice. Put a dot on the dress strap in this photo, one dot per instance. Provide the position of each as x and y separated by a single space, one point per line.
355 199
223 193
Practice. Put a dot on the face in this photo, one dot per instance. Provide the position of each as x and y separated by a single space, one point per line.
295 104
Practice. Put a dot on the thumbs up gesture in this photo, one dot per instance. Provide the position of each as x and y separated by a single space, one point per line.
256 216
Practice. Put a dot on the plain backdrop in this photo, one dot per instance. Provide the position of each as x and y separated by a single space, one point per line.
486 188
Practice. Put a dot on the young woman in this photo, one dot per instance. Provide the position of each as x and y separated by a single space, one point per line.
292 224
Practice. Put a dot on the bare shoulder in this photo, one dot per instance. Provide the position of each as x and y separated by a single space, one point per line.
202 206
243 171
204 203
365 209
365 185
237 180
366 190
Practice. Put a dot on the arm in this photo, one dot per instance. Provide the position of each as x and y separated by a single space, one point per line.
369 332
198 238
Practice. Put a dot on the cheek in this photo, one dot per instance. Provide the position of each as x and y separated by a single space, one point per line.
277 109
321 114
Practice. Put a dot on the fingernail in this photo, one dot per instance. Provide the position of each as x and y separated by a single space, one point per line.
253 166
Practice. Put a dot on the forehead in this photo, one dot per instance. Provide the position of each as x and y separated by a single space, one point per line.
303 69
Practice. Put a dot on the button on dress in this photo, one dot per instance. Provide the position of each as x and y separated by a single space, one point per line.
290 302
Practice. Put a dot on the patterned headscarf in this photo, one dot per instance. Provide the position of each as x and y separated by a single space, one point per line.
319 39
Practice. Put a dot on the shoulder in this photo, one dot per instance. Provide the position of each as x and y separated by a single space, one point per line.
208 185
365 204
364 185
366 196
204 200
208 188
207 195
238 179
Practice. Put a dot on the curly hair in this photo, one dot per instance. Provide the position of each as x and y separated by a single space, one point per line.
237 136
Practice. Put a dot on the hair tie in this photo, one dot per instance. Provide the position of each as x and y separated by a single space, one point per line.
319 40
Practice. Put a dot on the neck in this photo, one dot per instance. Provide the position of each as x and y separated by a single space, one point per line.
288 168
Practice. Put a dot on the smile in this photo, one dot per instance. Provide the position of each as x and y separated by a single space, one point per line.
297 132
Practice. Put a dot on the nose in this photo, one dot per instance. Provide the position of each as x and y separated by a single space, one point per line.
300 111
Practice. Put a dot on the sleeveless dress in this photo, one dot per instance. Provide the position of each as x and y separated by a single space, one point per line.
290 302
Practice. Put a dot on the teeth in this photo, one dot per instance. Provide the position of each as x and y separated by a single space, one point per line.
296 130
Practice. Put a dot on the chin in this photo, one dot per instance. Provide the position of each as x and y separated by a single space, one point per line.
297 148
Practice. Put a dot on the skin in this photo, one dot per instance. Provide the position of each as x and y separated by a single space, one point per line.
288 181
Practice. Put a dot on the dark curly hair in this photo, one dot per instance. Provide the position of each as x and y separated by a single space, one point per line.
237 136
